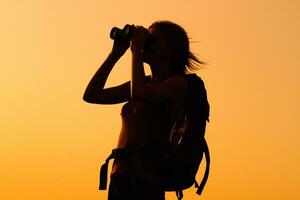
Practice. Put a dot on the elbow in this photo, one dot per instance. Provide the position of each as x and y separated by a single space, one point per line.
89 95
86 98
90 99
94 99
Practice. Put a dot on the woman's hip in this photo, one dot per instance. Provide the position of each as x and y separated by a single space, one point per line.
126 187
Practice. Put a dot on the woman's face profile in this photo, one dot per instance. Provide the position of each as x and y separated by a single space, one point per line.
155 46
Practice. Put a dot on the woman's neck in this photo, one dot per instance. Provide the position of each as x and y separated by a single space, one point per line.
160 73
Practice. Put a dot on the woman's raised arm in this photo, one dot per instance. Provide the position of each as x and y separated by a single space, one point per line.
95 92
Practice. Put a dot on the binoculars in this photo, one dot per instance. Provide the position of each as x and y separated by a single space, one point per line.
126 33
118 34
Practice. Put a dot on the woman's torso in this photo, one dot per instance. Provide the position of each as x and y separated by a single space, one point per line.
142 122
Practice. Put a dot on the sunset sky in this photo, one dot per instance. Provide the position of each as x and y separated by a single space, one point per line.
53 143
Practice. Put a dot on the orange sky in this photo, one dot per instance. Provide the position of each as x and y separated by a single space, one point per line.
52 142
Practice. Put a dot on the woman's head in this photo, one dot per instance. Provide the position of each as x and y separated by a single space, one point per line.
170 41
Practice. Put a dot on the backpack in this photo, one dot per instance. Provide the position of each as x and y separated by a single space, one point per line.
181 156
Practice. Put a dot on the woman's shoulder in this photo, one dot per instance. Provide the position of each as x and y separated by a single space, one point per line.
181 85
179 80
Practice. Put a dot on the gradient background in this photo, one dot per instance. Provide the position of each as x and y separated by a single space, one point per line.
53 143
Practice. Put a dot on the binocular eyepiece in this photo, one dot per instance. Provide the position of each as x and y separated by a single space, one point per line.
118 34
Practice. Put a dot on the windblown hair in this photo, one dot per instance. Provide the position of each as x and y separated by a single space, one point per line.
182 59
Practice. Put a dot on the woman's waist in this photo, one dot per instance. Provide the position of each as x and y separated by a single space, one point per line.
137 166
134 137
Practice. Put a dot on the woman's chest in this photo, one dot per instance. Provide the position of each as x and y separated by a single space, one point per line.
145 110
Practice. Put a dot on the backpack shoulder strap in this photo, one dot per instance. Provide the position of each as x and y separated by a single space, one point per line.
206 173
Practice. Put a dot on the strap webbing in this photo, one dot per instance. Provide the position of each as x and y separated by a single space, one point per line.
118 152
124 151
104 169
103 176
205 177
179 194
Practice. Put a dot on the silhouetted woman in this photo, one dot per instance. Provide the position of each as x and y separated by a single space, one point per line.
152 102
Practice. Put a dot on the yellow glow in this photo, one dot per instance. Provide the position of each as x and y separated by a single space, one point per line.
53 143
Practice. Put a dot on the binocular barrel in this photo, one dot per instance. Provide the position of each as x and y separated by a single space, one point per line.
124 33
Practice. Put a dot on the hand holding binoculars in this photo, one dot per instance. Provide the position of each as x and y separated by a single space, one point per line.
121 34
